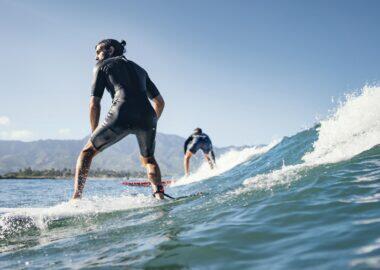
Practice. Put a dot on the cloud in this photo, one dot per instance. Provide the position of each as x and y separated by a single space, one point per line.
23 135
4 120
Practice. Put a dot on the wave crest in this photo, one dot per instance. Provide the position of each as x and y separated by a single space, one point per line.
354 128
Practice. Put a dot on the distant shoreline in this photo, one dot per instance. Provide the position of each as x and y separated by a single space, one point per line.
56 174
64 178
26 178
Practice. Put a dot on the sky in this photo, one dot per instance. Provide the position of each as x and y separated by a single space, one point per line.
247 72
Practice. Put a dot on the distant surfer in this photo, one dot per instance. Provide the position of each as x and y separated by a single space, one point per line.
131 112
198 140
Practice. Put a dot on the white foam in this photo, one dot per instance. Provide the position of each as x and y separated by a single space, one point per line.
369 248
39 217
354 128
224 163
284 176
351 130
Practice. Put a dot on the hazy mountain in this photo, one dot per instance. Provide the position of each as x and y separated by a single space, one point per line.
59 154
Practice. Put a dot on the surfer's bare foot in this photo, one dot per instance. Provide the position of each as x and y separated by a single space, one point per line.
158 191
159 196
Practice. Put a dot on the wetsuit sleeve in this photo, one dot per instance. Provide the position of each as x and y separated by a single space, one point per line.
98 83
151 89
187 143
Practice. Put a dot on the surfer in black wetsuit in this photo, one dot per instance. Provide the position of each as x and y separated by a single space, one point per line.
131 112
198 140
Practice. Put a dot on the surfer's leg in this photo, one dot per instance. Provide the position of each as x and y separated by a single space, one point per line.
146 139
186 162
207 149
103 137
191 150
154 175
209 160
82 168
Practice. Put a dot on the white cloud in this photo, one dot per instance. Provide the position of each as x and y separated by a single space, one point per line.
4 120
64 132
23 135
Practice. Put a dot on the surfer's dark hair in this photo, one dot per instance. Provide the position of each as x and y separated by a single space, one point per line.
118 46
198 131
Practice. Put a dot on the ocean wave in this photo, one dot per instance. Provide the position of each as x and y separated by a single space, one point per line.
351 130
18 220
225 163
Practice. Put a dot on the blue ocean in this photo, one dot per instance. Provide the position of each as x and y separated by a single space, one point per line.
307 201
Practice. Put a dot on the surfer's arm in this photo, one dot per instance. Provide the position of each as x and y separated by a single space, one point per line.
94 112
186 144
158 105
155 96
213 156
212 151
97 90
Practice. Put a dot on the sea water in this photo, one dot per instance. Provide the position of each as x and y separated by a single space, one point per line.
308 201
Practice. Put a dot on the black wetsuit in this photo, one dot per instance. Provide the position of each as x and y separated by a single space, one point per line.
198 141
131 111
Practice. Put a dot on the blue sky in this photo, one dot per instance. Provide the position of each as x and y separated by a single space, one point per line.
246 72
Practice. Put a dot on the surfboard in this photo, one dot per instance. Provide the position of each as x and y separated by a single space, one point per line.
135 183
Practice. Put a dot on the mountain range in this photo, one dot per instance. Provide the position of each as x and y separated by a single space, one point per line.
123 156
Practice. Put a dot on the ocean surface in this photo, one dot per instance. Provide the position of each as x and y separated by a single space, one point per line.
308 201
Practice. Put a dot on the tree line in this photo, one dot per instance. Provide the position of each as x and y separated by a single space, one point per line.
29 173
